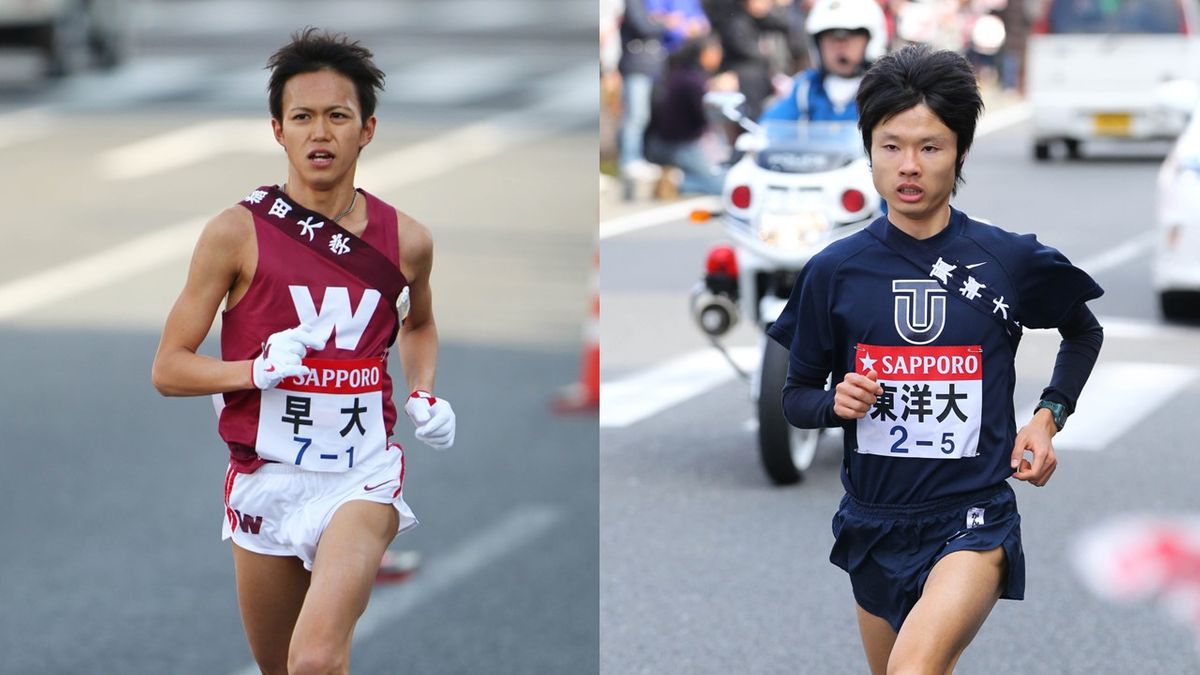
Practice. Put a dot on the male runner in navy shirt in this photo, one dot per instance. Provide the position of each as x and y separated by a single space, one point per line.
918 318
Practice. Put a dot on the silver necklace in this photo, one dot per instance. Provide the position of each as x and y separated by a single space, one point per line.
353 201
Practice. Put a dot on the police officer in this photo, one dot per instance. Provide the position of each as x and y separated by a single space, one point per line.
848 35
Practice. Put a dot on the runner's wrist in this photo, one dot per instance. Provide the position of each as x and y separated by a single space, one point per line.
1045 420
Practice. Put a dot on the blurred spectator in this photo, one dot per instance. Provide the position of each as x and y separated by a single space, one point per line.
683 19
642 58
1017 20
796 12
650 31
611 12
985 40
610 78
742 27
679 119
847 35
937 23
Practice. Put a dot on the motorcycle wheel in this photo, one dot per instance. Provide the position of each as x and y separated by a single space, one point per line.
786 452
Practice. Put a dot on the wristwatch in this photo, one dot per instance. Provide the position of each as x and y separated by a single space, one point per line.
1057 410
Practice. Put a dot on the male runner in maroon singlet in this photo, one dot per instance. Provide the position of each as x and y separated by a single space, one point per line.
318 279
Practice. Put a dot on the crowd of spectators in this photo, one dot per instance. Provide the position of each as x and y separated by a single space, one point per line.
659 57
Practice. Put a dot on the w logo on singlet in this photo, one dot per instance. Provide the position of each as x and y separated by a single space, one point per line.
920 309
335 316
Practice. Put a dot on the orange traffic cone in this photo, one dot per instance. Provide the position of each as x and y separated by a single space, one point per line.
584 395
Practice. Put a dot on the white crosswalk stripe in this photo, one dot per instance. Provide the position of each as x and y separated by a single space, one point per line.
506 314
186 146
642 395
1117 398
1119 395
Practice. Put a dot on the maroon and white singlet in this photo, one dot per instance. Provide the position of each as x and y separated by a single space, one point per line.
291 286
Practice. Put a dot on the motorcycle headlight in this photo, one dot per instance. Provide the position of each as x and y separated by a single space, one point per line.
792 230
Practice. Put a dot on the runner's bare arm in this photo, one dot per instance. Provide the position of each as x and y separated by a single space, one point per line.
217 265
418 340
1035 437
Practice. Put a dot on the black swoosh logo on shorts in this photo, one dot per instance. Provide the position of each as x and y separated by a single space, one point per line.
368 488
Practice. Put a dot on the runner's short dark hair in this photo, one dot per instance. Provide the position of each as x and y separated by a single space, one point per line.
312 50
942 80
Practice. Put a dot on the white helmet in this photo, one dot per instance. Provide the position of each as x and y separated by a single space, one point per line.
850 15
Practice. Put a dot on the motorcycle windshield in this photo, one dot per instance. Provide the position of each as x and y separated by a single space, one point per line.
809 147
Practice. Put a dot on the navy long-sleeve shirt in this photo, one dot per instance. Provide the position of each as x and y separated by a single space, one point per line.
942 338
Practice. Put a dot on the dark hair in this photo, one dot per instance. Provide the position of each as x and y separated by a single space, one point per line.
311 51
942 80
688 54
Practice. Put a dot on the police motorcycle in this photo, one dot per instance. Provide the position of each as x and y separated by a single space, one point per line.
797 187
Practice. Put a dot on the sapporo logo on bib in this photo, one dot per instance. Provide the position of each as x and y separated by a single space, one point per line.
931 405
327 421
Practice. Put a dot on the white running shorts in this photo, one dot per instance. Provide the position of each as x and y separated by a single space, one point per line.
282 509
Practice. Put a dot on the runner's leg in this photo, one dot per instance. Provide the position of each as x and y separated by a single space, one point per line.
961 590
347 559
270 591
877 638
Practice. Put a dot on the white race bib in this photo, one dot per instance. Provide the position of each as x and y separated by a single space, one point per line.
931 405
328 421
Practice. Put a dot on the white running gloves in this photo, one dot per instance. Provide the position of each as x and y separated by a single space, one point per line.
433 418
281 356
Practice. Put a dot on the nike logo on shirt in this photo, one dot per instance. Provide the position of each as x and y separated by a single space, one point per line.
971 267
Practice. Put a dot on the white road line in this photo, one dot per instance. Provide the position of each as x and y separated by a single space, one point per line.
100 269
435 156
563 101
432 157
26 125
616 226
658 215
1118 255
185 146
1117 397
518 528
1128 329
566 93
1002 118
634 398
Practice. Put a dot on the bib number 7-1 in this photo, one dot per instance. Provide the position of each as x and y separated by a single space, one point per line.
328 456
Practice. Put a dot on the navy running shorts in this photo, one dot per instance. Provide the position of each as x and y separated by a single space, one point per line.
889 550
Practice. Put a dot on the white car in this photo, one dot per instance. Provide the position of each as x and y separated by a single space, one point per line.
1177 251
1110 70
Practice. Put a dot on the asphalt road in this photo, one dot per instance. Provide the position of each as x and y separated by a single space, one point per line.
112 557
705 568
